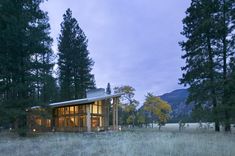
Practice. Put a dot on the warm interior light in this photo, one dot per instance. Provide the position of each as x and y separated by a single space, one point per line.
34 130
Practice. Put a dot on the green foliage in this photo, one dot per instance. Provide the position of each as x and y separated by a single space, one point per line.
209 31
108 89
128 104
25 59
74 62
140 118
156 106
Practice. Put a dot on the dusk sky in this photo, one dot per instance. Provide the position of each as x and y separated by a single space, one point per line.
132 42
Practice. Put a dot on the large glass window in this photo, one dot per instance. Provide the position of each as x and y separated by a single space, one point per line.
71 110
66 110
75 116
70 116
97 107
97 121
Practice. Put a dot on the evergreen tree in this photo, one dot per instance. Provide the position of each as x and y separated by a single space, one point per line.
108 89
209 29
74 62
200 70
24 47
225 45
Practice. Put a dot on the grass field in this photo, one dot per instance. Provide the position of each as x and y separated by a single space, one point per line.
137 142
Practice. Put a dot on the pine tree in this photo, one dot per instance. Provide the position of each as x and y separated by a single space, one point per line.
108 89
200 71
24 37
231 88
74 62
210 23
225 45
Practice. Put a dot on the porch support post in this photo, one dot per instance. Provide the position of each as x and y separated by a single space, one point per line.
114 114
117 101
106 105
88 119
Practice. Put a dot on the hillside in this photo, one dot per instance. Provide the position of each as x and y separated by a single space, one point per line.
177 100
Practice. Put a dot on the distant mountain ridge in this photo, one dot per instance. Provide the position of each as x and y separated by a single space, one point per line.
177 100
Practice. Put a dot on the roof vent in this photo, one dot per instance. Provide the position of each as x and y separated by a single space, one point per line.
95 93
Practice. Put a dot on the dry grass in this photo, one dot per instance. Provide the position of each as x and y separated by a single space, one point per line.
138 142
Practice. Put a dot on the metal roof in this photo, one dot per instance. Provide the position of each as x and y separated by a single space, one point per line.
84 101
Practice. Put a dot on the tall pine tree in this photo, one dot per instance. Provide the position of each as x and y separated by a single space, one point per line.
200 71
74 62
25 54
209 29
225 51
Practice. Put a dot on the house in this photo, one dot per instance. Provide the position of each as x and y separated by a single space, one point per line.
80 115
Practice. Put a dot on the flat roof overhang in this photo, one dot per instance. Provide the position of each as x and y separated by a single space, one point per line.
83 101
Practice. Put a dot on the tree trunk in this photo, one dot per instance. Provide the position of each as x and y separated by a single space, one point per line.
212 88
225 55
227 125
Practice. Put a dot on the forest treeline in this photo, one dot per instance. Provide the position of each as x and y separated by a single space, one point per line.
28 76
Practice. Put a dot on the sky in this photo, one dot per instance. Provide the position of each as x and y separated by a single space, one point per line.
132 42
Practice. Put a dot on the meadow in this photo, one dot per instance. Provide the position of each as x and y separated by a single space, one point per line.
130 142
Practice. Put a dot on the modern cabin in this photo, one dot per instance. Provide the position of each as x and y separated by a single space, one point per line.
81 115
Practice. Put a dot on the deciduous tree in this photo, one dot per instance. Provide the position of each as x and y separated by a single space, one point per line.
156 106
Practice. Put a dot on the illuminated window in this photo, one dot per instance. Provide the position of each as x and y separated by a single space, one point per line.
95 108
81 109
100 107
38 121
76 121
66 110
61 111
61 122
48 123
71 109
82 121
76 109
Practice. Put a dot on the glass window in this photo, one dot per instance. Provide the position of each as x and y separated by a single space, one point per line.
76 109
81 109
72 110
100 107
38 121
71 121
61 122
95 121
76 121
82 121
61 111
95 108
66 110
48 123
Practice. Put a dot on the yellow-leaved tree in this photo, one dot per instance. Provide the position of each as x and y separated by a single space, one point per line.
158 107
